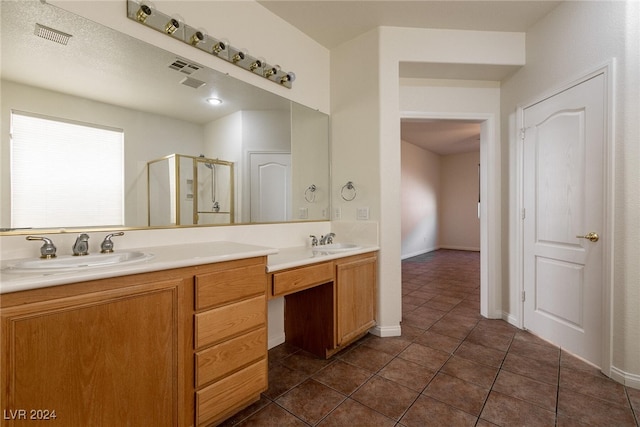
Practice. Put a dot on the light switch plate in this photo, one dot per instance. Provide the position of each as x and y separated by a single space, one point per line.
362 214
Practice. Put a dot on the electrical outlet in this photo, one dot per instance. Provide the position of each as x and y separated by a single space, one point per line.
337 213
303 213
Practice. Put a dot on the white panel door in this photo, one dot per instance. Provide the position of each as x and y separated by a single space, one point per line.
270 187
564 149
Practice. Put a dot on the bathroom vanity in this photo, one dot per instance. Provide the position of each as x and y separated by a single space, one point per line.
180 346
329 304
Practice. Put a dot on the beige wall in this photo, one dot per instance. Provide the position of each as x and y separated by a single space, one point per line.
421 195
460 225
365 95
439 201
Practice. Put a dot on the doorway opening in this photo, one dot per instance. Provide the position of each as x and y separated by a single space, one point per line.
488 208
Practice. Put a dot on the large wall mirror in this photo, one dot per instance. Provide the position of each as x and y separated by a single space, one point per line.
254 158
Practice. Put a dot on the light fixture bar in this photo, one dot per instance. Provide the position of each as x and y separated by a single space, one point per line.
173 26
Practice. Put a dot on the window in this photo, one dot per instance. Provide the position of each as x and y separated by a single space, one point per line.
65 174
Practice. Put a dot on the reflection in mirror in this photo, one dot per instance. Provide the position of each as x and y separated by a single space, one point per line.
186 190
158 100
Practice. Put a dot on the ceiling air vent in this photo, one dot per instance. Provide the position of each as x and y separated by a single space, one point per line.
191 82
51 34
184 66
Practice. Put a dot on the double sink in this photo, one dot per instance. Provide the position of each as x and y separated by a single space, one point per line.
69 262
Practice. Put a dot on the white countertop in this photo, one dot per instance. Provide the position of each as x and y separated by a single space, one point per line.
164 258
301 255
172 256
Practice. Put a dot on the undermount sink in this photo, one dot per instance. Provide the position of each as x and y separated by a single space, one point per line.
70 262
336 247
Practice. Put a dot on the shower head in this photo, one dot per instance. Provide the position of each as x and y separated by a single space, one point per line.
207 164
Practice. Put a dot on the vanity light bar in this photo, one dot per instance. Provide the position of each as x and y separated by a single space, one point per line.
173 26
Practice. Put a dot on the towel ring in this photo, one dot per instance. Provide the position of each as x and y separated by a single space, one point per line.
348 186
310 193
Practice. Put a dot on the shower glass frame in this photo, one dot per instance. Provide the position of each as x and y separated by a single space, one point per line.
174 160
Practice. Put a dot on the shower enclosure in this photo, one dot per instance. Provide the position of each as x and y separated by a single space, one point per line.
188 190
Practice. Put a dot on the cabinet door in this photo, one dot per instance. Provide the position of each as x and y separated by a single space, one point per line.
106 358
355 302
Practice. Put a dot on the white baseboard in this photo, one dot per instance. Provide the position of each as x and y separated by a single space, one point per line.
460 248
386 331
275 341
435 248
630 380
420 252
510 319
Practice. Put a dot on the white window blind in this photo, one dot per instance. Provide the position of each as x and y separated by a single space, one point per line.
65 174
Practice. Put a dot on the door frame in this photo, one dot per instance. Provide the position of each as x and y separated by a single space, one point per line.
516 206
490 207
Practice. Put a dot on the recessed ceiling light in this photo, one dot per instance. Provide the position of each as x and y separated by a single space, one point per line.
214 101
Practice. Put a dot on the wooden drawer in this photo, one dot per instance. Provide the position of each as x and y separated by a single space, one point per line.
228 356
221 399
298 279
229 285
215 325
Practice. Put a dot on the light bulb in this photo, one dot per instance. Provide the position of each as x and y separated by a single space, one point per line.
198 37
143 12
239 55
271 71
289 77
258 63
220 46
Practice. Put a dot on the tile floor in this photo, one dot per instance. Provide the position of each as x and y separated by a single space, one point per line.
450 367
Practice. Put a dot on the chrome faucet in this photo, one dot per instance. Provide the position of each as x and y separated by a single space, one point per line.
107 245
314 240
328 239
48 249
81 246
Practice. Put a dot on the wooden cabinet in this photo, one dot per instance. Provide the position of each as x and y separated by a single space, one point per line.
230 340
102 358
302 278
355 297
328 305
177 347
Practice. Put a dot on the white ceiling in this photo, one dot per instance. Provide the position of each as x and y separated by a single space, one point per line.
442 137
332 23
